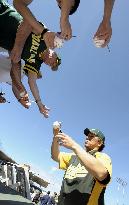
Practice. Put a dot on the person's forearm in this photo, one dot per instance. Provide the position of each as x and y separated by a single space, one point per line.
93 165
23 32
23 100
108 6
55 150
65 9
16 92
21 6
35 92
15 74
32 77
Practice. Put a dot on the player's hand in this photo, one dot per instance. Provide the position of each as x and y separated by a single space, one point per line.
49 39
56 131
66 30
103 34
65 140
15 54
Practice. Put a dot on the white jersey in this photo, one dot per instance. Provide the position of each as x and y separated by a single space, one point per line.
5 67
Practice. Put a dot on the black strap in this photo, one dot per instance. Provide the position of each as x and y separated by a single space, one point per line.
45 30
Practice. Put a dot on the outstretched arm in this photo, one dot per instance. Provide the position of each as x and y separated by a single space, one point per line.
108 6
104 31
32 77
23 32
66 31
21 6
15 74
34 25
55 146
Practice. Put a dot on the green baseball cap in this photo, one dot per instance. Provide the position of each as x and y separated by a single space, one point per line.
97 132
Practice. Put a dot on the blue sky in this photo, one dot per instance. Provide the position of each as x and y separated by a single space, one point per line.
91 89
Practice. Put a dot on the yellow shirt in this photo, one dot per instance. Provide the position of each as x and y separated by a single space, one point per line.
78 178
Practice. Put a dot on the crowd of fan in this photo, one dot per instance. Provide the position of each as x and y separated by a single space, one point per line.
43 198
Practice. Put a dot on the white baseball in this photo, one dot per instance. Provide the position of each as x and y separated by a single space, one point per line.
98 43
58 42
56 125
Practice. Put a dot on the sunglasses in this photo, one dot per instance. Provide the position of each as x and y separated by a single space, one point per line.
58 60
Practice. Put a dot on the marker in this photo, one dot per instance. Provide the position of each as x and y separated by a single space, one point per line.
60 33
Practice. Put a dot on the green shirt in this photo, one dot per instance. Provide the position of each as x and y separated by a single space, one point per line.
33 48
9 22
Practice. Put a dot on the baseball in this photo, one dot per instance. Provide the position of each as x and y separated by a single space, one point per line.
98 43
56 125
58 42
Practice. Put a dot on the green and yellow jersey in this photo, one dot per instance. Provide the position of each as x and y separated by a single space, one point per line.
78 179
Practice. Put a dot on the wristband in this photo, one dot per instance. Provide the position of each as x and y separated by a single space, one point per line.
45 30
37 101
